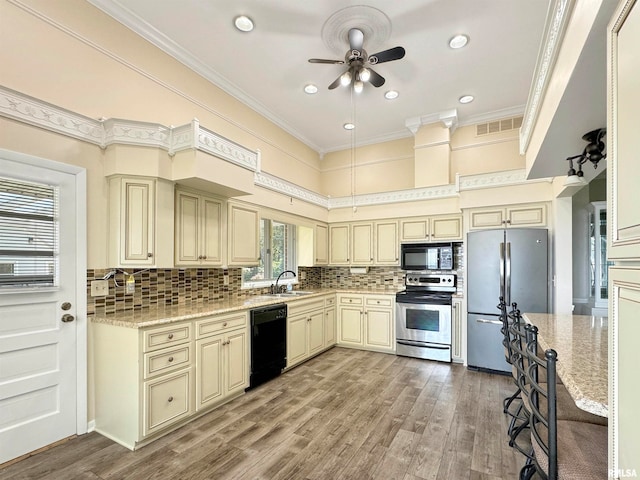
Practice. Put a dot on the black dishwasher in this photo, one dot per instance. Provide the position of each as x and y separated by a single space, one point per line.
268 343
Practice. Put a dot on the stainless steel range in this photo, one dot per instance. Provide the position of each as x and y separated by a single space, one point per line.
423 316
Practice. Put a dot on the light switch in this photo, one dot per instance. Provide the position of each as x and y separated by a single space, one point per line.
99 288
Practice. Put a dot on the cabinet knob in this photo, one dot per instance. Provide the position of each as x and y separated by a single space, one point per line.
224 324
170 336
149 255
200 257
66 318
170 399
170 359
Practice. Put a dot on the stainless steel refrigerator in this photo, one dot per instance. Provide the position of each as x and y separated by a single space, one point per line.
511 263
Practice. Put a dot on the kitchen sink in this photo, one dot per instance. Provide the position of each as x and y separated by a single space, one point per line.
293 293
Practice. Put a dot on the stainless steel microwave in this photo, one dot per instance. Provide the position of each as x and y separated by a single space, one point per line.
426 256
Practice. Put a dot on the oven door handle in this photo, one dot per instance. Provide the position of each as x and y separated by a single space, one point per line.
420 344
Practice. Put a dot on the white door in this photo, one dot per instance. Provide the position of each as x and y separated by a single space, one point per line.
38 305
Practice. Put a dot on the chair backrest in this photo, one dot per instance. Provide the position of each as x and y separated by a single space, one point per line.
517 345
543 420
502 306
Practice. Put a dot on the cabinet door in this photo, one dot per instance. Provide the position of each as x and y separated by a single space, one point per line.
446 228
236 356
296 339
243 236
339 244
330 326
211 238
315 331
379 328
321 245
527 216
491 218
386 243
210 371
137 221
456 337
187 233
415 229
350 326
361 244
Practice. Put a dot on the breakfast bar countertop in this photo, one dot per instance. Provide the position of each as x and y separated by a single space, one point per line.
581 342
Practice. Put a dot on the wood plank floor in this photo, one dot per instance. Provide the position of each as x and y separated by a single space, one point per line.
346 414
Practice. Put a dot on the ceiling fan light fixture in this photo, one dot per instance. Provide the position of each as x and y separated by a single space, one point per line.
310 88
243 23
364 74
391 94
348 126
458 41
345 78
358 86
466 99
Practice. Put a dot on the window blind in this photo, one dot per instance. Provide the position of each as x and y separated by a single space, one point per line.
28 234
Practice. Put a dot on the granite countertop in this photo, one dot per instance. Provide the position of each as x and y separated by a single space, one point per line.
581 342
160 315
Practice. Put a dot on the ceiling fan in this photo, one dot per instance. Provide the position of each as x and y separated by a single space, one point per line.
359 63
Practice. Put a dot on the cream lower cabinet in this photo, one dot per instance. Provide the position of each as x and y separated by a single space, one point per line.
330 321
150 381
222 358
366 321
305 330
457 315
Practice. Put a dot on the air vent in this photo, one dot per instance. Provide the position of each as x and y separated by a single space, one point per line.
498 126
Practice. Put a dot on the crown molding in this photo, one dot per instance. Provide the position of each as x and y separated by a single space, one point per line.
106 132
555 29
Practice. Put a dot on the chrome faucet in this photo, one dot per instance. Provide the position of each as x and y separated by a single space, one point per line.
275 288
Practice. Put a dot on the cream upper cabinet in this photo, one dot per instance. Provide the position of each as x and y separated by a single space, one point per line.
431 229
139 208
339 244
243 246
198 232
525 215
387 243
361 243
321 244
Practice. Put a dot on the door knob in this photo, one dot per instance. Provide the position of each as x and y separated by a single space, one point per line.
66 318
65 306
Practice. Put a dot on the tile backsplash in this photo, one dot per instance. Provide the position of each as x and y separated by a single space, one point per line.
175 286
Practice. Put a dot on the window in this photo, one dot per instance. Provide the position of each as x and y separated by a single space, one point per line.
28 234
277 252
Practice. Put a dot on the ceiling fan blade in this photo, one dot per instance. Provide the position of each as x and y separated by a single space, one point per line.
356 39
375 79
395 53
323 60
336 83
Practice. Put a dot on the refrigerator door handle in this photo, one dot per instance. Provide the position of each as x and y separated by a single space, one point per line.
485 320
502 271
508 273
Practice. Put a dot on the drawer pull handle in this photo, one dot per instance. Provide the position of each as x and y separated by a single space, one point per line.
224 324
170 359
149 255
170 399
170 336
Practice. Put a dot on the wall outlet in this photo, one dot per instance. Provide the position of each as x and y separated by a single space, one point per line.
99 288
303 275
225 279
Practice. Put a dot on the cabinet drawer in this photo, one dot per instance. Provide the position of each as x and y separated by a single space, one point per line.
295 308
166 401
329 301
378 302
222 323
350 300
164 361
157 338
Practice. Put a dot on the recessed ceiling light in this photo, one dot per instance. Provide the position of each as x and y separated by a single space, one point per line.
466 99
348 126
243 23
391 94
458 41
310 89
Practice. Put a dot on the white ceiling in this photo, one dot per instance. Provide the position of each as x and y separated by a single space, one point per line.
268 68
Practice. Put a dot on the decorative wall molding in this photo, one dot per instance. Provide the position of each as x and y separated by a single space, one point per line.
105 132
114 131
552 41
